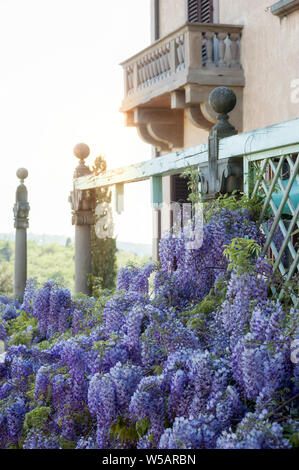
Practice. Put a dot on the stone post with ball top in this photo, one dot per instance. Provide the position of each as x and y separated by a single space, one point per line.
83 205
21 212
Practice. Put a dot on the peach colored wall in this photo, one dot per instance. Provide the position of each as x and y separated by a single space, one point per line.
270 58
172 15
193 135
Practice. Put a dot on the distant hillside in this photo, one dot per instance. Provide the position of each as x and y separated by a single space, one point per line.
7 236
139 249
40 239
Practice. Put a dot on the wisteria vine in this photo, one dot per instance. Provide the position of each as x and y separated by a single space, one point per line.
185 355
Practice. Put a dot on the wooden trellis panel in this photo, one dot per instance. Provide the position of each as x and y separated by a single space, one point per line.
277 180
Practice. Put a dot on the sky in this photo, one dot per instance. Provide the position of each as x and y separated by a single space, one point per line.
60 84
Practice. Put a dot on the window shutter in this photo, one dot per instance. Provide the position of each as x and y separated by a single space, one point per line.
180 190
200 11
193 11
206 13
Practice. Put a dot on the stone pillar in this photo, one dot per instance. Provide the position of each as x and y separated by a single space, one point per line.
21 212
83 205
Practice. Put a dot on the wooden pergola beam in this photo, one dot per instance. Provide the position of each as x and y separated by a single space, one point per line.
255 145
169 164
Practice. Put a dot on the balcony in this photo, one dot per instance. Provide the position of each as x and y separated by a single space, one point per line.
177 73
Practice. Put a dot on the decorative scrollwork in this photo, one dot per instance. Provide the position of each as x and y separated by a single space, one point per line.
21 208
82 202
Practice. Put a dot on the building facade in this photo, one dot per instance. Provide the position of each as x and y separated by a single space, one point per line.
197 45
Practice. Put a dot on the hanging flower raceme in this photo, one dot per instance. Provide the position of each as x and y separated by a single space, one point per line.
133 278
149 402
255 431
172 369
29 294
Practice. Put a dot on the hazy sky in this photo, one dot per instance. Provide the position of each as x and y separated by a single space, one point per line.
61 83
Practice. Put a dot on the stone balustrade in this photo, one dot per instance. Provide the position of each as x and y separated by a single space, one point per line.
207 54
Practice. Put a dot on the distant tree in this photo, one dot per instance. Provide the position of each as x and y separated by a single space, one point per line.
6 278
6 252
68 242
103 250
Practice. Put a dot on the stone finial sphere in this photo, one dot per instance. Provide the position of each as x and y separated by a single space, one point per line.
223 100
81 151
22 173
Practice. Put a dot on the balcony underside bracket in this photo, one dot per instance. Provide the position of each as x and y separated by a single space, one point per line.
146 137
196 117
199 113
162 128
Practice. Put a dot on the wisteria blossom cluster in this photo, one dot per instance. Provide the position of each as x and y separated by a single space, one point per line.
150 366
188 274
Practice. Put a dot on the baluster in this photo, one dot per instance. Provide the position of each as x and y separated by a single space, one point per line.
234 49
147 69
154 66
161 61
128 83
127 80
173 57
135 77
180 51
182 41
131 77
151 67
158 63
140 76
221 48
209 36
167 58
143 71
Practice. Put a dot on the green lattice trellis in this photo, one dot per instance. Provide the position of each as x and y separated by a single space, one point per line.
277 180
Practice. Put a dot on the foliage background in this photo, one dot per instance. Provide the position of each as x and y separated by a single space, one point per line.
50 261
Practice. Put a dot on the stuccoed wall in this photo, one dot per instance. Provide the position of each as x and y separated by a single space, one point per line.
269 55
270 58
172 15
193 135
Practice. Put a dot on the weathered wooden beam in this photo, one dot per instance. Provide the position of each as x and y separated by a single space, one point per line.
270 141
166 165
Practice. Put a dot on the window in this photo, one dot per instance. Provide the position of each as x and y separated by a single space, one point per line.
200 11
